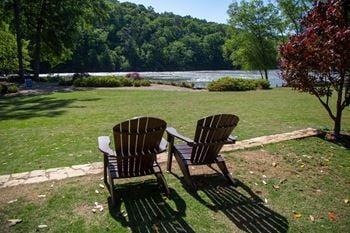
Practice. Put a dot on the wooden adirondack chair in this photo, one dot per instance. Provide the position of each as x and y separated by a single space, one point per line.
211 134
137 142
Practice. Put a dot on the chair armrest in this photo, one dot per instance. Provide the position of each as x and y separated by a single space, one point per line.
163 145
233 139
103 145
172 132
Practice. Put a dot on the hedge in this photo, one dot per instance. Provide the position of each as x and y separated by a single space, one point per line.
238 84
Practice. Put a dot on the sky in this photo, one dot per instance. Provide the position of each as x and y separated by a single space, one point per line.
210 10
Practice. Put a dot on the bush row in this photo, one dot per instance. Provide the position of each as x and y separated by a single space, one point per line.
238 84
109 81
178 84
4 89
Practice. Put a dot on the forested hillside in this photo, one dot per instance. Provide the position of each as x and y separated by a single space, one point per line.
133 37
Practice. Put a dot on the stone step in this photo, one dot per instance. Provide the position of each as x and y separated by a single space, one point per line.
60 173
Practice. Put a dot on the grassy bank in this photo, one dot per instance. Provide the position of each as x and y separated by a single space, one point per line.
311 175
61 129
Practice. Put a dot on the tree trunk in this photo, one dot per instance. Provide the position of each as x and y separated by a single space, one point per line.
266 75
337 124
37 41
337 120
16 9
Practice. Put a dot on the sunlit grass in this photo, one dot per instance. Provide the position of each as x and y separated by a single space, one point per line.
61 129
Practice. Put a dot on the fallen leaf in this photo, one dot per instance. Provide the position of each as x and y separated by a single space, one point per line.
265 200
42 226
312 218
42 195
13 222
264 176
346 201
102 186
251 172
296 215
302 165
264 182
96 191
332 216
274 164
12 201
276 186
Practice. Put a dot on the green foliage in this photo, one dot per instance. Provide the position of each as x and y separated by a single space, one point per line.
8 51
253 42
12 89
237 84
4 89
293 12
97 82
109 81
126 82
137 83
262 84
135 38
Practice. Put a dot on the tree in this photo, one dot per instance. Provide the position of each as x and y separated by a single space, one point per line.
294 11
255 29
8 51
317 60
52 26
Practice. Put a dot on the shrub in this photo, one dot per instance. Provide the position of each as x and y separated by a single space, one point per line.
137 83
4 89
232 84
145 83
262 84
53 78
97 82
12 89
126 82
65 81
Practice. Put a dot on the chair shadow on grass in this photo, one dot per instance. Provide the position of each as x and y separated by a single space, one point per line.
147 211
245 209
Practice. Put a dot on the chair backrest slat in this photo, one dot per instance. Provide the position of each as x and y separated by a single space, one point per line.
136 143
211 134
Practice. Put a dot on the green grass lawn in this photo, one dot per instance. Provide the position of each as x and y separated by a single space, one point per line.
61 129
311 174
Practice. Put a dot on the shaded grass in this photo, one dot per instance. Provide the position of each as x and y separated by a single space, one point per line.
217 208
61 129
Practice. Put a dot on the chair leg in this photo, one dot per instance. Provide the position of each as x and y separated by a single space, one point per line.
186 173
112 190
222 165
161 181
105 162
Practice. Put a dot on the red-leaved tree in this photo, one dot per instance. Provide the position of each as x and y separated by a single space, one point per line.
317 60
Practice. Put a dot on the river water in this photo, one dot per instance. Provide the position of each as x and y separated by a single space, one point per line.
199 78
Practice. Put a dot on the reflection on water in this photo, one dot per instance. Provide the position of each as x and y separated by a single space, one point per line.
199 78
